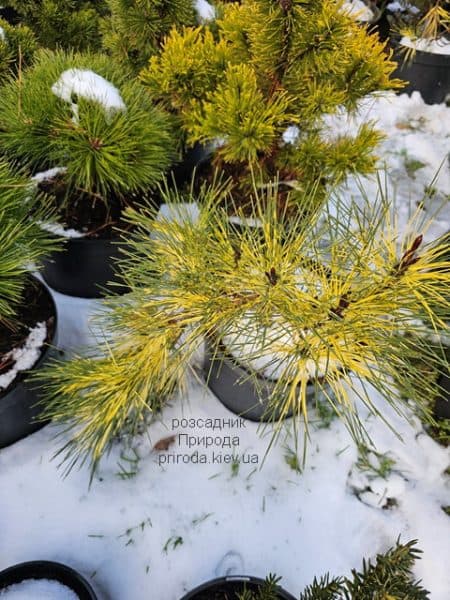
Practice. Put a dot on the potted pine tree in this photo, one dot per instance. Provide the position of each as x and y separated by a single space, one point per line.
95 143
389 575
301 319
421 35
256 83
27 311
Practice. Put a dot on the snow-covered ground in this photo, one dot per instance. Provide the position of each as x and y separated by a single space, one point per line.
155 523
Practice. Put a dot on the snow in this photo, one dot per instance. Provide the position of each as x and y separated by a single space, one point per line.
60 230
205 11
84 83
161 521
2 34
439 46
42 589
402 7
291 134
48 175
358 9
26 356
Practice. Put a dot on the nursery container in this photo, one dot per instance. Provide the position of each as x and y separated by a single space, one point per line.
226 588
427 73
194 159
18 409
442 404
53 571
85 267
241 391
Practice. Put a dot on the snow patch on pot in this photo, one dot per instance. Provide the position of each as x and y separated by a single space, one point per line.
45 589
205 11
48 175
84 83
439 46
25 357
60 230
359 10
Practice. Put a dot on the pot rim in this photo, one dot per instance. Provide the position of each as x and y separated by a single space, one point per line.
51 570
231 579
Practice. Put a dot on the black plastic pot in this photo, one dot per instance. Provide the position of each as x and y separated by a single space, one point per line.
427 73
85 268
10 15
18 406
442 404
43 569
226 588
194 158
245 393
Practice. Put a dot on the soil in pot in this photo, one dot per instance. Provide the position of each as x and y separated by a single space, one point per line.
44 579
228 588
86 265
24 345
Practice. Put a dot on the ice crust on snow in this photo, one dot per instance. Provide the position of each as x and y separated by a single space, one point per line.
205 11
439 46
38 589
272 519
84 83
358 9
26 356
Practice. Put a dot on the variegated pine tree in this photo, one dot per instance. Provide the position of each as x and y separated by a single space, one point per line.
257 83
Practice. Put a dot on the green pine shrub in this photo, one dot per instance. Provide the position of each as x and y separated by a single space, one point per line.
69 24
388 577
17 47
22 241
262 67
111 156
134 29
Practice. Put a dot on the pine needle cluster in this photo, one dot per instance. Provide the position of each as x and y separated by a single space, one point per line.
105 153
422 19
22 241
264 66
335 313
134 29
388 577
72 24
17 47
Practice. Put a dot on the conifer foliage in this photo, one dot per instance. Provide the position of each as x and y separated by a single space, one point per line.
17 47
265 66
22 241
332 314
80 112
134 29
71 24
